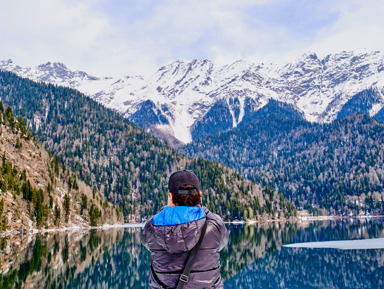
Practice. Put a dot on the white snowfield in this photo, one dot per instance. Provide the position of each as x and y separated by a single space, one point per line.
184 91
363 244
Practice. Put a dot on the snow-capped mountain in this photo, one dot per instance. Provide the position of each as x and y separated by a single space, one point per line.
188 99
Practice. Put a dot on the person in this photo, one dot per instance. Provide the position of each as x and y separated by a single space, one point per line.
172 233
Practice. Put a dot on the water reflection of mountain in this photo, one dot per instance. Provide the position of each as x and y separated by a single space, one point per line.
319 268
254 258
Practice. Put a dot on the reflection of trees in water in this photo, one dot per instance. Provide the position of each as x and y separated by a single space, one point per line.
341 230
84 259
314 268
115 258
15 278
249 243
124 265
319 268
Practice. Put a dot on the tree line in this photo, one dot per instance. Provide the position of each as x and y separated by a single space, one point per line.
109 153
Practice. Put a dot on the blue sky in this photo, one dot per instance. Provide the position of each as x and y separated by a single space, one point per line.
139 36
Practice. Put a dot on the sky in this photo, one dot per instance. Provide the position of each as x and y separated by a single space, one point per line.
131 37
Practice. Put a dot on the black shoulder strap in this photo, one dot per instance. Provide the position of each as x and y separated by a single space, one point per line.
191 259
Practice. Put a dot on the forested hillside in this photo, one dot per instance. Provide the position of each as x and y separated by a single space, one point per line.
36 191
337 166
126 164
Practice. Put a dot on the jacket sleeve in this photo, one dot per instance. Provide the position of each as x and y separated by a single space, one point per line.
221 234
224 236
147 235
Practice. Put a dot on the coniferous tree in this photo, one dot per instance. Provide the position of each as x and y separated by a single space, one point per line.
3 219
66 205
18 143
57 214
84 203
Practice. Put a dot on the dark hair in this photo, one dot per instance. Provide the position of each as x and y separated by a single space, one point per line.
189 200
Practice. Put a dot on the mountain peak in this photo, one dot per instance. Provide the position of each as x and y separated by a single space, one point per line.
310 55
53 66
186 92
9 61
6 63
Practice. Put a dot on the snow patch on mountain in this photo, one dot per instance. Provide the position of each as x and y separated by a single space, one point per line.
183 92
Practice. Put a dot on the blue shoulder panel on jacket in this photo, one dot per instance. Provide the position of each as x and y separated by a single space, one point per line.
178 215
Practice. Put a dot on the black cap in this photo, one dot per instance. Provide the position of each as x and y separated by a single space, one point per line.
183 178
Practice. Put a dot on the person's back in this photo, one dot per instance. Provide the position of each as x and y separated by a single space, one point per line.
174 231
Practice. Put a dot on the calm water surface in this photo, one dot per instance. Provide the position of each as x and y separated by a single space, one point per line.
255 258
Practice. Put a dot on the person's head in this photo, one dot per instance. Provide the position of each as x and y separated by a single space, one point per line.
184 189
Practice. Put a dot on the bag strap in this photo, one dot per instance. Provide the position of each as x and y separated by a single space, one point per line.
183 279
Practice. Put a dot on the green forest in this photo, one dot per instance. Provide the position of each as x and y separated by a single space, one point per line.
40 205
117 158
327 166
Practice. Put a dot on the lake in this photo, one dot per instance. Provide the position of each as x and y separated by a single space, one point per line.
254 258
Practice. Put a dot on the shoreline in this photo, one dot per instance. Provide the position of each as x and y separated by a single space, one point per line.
74 228
302 219
140 225
324 218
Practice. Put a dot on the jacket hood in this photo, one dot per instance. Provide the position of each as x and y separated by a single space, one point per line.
178 229
178 215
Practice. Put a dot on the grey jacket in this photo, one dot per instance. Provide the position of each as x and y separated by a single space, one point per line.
170 240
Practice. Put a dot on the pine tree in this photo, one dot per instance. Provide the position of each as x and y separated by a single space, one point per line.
57 214
3 219
66 205
39 207
83 204
18 143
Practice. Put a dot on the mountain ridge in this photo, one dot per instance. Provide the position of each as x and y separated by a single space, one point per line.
179 96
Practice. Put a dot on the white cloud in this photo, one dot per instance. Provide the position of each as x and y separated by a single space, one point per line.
85 37
33 32
138 36
359 27
36 31
201 29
